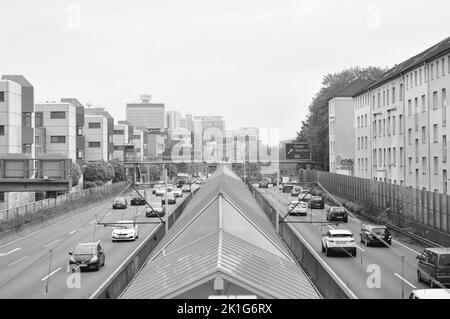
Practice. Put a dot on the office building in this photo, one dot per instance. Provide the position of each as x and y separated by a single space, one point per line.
173 120
109 130
80 139
138 141
96 137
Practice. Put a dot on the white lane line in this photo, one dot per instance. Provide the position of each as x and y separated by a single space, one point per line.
138 214
53 242
414 287
18 260
48 276
9 252
73 231
108 214
91 222
360 248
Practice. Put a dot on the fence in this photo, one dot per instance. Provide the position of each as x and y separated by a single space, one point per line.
428 213
35 207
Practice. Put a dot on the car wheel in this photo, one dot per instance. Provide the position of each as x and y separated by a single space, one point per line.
345 220
97 268
327 251
354 253
103 264
323 249
419 277
360 239
366 242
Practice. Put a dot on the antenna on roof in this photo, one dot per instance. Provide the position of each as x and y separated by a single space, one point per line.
145 98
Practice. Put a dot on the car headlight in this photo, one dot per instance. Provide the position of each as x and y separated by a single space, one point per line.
331 241
72 259
94 259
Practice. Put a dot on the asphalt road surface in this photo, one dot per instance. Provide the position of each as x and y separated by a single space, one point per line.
360 273
29 270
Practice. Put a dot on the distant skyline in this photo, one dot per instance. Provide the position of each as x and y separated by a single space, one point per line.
257 63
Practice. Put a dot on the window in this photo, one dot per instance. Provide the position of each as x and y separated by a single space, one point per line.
136 137
443 67
380 129
401 156
420 76
409 108
435 133
401 92
431 72
358 122
79 154
410 136
444 97
435 99
380 157
118 147
119 132
394 155
436 165
79 131
57 139
384 157
437 69
365 119
379 100
58 115
393 94
389 157
26 148
424 135
444 148
2 96
384 127
400 123
410 165
26 119
94 125
444 107
393 125
424 165
367 144
384 98
37 140
415 78
389 126
39 119
2 197
417 150
2 130
423 103
407 78
94 144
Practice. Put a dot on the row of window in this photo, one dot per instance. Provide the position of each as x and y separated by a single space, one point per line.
424 165
363 143
387 156
360 121
423 102
387 126
414 78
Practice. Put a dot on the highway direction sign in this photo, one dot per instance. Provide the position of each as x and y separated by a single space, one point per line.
298 151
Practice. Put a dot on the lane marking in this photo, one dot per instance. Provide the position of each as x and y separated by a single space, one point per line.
18 260
406 281
91 222
73 231
48 276
53 242
10 252
108 214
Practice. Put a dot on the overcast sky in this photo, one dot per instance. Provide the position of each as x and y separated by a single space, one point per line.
258 63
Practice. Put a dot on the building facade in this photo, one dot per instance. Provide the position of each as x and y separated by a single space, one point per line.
109 129
97 141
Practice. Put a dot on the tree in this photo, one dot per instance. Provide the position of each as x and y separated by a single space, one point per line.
75 173
119 172
155 172
110 172
314 130
95 171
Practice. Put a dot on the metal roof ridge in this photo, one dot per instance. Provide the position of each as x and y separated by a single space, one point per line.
256 227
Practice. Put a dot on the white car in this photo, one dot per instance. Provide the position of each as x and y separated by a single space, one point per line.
301 209
125 230
177 192
292 204
304 193
338 240
160 191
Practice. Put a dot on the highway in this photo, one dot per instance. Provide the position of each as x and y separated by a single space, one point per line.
358 273
25 266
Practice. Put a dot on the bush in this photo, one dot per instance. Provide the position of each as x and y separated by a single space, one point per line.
99 183
88 185
75 173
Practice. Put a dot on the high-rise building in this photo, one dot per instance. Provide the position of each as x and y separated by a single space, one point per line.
407 118
173 120
109 146
341 131
97 140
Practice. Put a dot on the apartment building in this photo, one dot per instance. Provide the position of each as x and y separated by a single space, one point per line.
59 121
341 131
96 137
109 129
16 128
79 130
138 141
407 112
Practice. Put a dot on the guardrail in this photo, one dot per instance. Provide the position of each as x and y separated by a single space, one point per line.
121 278
35 207
324 278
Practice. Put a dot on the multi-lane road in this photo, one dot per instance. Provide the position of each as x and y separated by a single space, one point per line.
376 272
29 270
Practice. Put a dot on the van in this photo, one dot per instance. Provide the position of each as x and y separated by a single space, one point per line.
434 266
430 294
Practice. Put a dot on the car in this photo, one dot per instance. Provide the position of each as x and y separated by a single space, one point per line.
316 202
138 199
263 184
338 240
434 266
87 256
169 186
292 204
337 213
120 202
156 209
125 230
160 191
301 209
305 195
375 234
295 191
156 187
186 188
170 198
177 192
429 294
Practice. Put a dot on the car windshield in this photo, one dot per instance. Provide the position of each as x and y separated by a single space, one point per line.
294 203
342 235
155 204
444 260
84 250
121 199
378 230
339 209
317 199
124 226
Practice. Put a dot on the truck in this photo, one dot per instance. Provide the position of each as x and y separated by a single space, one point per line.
285 179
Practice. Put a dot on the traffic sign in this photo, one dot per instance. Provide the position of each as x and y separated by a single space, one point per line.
298 151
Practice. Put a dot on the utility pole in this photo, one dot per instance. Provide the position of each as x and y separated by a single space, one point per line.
165 200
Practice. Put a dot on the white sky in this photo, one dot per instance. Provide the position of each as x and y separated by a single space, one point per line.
258 62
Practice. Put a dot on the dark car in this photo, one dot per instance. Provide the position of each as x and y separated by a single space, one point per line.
337 213
295 191
263 184
287 188
137 200
375 234
434 266
157 209
120 202
316 202
87 256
